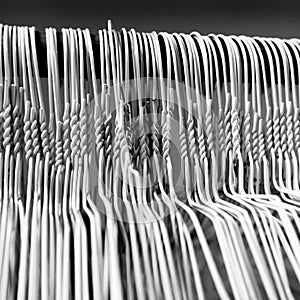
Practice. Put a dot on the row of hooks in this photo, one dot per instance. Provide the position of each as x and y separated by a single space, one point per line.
173 175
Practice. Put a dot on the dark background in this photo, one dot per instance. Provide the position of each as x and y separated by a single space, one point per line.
265 17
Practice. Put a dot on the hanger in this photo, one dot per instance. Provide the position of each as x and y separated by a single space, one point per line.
204 156
268 144
294 45
256 92
51 122
252 139
237 60
265 246
108 121
221 109
25 232
167 132
287 132
5 214
16 97
213 168
265 109
219 287
6 208
76 221
214 68
83 165
142 121
134 211
36 69
34 142
14 52
185 180
154 108
170 262
4 275
34 251
208 112
135 93
280 165
75 101
58 104
55 200
295 122
277 139
81 65
91 212
266 249
66 247
14 240
146 229
262 150
7 108
70 129
190 44
76 228
83 233
45 233
254 246
1 60
88 41
156 153
110 233
225 108
182 114
27 61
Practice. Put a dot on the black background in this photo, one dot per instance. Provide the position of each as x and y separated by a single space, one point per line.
279 18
